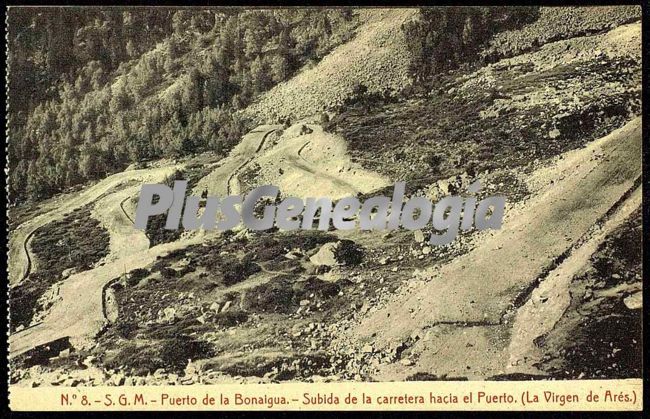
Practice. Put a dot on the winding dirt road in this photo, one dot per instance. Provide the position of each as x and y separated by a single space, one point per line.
21 261
581 190
315 164
80 296
233 186
78 313
218 182
110 211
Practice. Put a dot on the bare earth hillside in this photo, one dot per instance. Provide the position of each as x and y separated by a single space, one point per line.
376 57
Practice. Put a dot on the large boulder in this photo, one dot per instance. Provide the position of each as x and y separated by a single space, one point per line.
326 256
111 308
342 252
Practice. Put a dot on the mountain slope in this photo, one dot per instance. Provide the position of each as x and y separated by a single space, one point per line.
550 120
579 193
376 57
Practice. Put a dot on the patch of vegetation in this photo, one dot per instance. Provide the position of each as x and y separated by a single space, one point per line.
18 215
248 177
125 329
283 294
443 38
287 367
155 229
135 275
230 318
219 264
623 253
349 253
39 355
404 138
235 271
276 296
599 336
271 248
75 242
194 172
170 354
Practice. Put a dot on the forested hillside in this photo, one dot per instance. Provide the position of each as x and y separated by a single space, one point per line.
92 91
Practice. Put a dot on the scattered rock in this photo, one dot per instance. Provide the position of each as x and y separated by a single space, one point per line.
634 301
342 252
293 255
226 306
326 256
554 133
88 361
118 379
169 314
68 272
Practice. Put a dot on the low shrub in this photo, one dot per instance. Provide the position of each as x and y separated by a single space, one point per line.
230 318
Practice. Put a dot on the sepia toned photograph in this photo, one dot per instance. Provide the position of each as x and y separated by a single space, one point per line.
252 196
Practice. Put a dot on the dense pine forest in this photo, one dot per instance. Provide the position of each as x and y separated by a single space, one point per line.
92 91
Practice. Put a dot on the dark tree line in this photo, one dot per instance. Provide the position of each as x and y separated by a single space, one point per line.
92 90
445 37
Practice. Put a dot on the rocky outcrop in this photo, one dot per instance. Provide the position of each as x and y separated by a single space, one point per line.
343 252
556 23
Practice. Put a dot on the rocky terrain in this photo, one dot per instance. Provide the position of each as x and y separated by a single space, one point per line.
376 58
551 119
559 23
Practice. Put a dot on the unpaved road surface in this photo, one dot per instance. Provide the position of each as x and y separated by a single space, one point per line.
115 212
79 303
78 312
552 297
455 313
19 258
316 164
219 181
